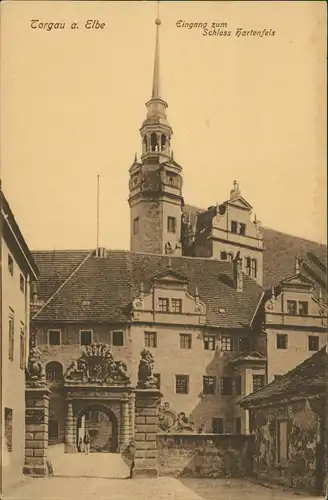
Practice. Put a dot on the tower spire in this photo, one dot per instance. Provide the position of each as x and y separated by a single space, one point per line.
156 92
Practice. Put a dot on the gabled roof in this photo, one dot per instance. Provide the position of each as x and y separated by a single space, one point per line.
310 377
111 284
239 202
280 252
8 223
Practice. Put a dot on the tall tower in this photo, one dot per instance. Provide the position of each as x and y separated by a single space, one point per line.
155 187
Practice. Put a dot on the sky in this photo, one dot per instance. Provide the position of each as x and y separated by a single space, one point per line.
246 108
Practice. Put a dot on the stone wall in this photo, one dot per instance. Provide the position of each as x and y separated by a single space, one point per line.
300 470
205 455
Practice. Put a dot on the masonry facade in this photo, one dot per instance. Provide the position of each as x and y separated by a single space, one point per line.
18 269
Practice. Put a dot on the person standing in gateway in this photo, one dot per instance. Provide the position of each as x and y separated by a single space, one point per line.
86 442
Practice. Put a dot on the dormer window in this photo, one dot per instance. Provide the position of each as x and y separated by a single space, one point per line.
303 308
292 307
177 306
163 304
242 228
234 226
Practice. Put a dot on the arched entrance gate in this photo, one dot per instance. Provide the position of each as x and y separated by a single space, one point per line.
99 399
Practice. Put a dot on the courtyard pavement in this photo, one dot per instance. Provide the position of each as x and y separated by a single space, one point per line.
104 476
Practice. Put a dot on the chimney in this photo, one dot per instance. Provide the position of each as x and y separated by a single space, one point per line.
237 272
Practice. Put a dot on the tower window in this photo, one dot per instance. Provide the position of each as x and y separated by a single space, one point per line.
163 142
153 142
171 224
136 225
234 226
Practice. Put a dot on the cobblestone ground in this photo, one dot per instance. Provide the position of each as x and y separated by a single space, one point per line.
144 489
104 477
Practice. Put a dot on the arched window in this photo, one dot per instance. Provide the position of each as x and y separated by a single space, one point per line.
145 143
153 141
54 371
163 142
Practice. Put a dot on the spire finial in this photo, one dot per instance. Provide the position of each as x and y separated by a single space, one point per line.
297 265
156 81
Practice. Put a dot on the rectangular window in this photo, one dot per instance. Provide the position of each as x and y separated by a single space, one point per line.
258 382
234 226
209 385
22 283
303 308
22 348
11 335
291 307
226 386
242 228
9 429
253 268
237 386
244 344
226 343
282 341
182 384
313 342
53 429
10 264
238 425
282 441
224 256
171 224
217 425
150 339
85 337
163 304
209 342
185 341
157 376
136 225
248 266
54 337
118 338
177 306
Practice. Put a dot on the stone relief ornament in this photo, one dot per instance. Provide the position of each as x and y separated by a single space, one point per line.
97 365
35 373
146 379
171 421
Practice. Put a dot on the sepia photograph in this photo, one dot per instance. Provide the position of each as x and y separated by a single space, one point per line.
163 249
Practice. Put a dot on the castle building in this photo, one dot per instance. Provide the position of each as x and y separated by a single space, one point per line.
18 270
208 292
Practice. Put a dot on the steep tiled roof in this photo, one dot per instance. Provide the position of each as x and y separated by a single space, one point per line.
307 378
55 267
280 252
9 225
111 283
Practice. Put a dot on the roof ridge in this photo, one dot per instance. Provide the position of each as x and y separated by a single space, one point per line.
63 284
63 250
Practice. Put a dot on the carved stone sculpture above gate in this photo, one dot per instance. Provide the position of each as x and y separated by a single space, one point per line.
97 366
